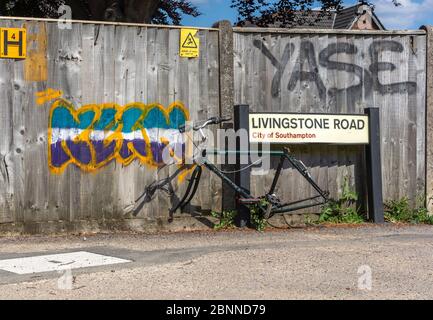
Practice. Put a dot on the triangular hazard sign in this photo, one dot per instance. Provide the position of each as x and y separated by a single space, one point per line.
189 42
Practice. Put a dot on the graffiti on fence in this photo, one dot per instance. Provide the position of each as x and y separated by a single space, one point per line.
93 135
306 68
47 95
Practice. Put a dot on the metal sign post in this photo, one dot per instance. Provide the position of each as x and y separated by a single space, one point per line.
374 167
243 172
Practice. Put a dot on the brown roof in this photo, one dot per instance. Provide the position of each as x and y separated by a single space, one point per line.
345 18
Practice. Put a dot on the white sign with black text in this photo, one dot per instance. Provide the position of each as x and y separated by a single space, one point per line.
308 128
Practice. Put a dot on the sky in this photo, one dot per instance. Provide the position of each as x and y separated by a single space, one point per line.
410 15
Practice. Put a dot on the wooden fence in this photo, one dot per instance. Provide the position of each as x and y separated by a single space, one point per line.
96 65
64 158
341 72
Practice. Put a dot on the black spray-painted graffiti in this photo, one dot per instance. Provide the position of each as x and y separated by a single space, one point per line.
368 78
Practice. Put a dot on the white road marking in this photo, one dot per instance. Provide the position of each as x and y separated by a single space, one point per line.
56 262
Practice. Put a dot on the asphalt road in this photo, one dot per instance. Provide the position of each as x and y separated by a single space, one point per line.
368 262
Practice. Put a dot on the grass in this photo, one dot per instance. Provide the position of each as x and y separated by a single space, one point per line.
340 210
226 219
343 209
258 220
401 211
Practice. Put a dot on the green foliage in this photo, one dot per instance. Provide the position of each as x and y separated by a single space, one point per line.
342 209
309 220
398 210
226 219
401 211
257 213
149 11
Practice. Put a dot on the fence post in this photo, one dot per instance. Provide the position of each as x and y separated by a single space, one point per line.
374 167
226 67
226 99
429 120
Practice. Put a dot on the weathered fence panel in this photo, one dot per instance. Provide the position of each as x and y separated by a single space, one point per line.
64 160
340 72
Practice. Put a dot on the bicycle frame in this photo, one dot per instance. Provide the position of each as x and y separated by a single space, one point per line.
246 198
299 166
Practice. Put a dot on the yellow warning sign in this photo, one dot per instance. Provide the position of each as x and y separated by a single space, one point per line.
13 43
189 43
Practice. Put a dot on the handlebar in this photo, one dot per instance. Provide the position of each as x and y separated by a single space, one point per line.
211 120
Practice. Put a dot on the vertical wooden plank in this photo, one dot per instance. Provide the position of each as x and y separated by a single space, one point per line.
205 111
34 151
364 60
21 100
125 80
318 153
238 67
247 96
107 38
322 150
58 186
354 105
331 160
9 88
173 91
294 104
388 102
361 59
420 69
211 66
141 178
416 111
261 72
90 205
152 97
407 114
286 190
172 62
162 96
429 117
309 90
105 202
343 79
197 112
70 67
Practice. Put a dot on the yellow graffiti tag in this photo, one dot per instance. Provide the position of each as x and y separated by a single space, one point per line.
116 134
47 95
